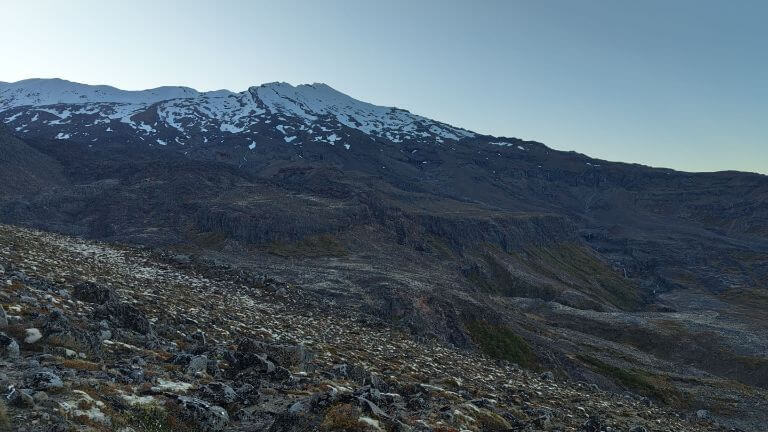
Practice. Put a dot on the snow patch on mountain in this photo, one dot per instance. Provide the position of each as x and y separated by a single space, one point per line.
309 102
174 113
41 92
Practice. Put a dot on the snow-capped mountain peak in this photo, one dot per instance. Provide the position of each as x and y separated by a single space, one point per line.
63 109
41 92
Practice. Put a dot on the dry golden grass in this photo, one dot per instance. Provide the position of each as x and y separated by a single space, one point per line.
5 420
491 421
79 364
343 417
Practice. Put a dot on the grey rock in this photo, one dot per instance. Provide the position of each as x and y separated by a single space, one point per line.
28 300
247 394
547 376
340 371
219 393
290 355
131 373
298 408
56 322
446 413
376 382
251 354
197 364
9 348
40 396
264 364
208 417
243 415
92 293
44 380
18 275
281 374
126 316
3 319
199 337
212 368
288 422
592 424
360 376
702 414
21 398
138 361
372 408
543 417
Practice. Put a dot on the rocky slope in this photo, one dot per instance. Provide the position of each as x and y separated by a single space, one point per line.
98 337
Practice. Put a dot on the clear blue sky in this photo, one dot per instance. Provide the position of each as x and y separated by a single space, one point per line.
677 83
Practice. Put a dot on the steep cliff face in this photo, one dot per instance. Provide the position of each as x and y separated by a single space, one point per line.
24 169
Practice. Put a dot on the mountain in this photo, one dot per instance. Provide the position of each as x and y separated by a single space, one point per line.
176 115
629 277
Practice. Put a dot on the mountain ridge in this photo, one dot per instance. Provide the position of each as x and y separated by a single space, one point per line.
15 104
98 110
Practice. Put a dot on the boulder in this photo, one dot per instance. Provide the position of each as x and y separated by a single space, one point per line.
126 316
198 337
44 380
208 417
592 424
197 364
92 293
281 374
360 376
372 408
290 355
192 363
21 398
59 331
247 394
56 322
9 348
218 393
32 335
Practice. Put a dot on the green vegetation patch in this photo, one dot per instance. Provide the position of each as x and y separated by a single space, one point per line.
312 246
644 383
750 298
154 419
497 279
500 342
578 267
